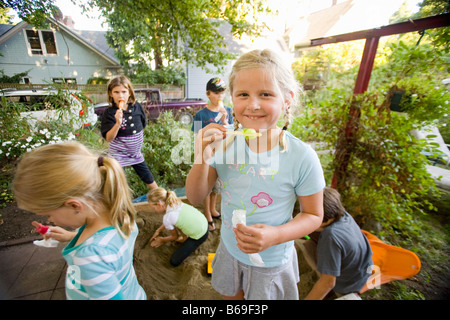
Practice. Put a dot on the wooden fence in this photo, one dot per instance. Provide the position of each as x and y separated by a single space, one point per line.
98 92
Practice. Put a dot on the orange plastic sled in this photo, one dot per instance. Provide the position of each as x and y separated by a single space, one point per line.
390 263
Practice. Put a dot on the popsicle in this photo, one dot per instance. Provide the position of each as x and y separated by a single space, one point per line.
40 227
47 243
220 114
240 217
246 132
121 104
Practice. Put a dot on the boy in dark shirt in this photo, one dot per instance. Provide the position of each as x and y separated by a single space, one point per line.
342 252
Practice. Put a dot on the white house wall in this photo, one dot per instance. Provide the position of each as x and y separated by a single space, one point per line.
197 78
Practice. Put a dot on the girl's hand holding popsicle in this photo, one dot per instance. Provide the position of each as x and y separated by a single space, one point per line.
246 132
56 233
207 141
40 227
119 113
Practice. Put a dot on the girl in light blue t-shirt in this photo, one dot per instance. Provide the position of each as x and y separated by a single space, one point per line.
263 171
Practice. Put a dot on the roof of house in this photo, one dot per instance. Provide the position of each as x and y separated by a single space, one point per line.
98 40
5 28
317 24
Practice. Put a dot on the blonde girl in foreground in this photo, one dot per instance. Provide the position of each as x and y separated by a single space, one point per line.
75 188
178 217
262 180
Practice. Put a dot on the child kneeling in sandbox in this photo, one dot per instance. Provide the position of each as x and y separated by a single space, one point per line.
185 223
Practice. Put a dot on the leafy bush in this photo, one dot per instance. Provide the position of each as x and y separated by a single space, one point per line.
17 78
381 168
20 133
13 149
166 75
168 151
12 123
386 178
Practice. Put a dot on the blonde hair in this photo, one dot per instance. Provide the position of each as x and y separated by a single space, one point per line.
121 81
281 73
160 194
50 175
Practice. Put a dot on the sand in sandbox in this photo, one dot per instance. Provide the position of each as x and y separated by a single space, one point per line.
190 280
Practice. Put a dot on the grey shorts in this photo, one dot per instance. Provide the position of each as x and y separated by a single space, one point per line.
229 276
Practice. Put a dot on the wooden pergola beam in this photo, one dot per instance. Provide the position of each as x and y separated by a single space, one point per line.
442 20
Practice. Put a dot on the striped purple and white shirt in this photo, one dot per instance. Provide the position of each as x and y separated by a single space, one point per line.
126 147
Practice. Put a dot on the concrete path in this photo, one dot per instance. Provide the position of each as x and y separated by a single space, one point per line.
29 272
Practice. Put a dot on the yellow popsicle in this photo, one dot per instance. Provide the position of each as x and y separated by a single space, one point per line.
247 133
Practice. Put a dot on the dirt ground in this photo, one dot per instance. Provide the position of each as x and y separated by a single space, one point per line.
190 280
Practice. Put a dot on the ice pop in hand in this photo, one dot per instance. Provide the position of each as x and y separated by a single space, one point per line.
121 104
47 243
247 133
40 227
221 113
240 217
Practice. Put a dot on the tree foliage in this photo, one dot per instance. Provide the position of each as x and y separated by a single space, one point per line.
386 178
441 36
5 16
33 12
176 30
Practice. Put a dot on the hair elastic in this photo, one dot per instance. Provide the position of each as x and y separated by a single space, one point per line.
284 128
100 161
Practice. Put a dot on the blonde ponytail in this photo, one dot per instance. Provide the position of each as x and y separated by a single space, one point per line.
166 196
282 137
116 196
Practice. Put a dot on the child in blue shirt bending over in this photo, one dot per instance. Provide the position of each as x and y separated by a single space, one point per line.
214 112
75 188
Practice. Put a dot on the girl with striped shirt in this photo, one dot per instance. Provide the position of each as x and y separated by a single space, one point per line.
123 126
75 188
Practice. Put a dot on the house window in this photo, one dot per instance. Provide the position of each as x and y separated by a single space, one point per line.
41 42
49 41
34 42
